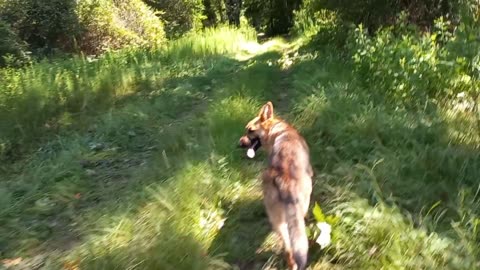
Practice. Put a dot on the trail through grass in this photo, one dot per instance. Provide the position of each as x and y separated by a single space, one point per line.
152 179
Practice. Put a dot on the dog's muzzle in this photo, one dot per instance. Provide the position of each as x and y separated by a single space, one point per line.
245 142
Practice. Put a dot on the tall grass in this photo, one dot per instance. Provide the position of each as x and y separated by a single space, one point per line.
213 41
44 97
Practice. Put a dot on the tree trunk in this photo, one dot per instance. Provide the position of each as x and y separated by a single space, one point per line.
234 8
209 13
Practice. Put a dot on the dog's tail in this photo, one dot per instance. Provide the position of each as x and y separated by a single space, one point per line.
296 230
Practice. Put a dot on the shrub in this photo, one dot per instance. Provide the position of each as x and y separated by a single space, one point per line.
12 49
273 17
375 13
44 25
116 24
409 67
323 27
215 12
180 16
92 26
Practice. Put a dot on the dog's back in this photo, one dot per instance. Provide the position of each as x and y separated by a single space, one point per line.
287 182
287 186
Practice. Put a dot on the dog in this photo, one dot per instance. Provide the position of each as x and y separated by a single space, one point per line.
287 181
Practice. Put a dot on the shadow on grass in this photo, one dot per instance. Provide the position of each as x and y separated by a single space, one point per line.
172 249
243 234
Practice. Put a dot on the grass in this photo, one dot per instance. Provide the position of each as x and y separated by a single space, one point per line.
130 162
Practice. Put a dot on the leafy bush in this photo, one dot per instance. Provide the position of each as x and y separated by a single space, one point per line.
402 62
116 24
12 49
375 13
323 27
180 16
405 65
273 17
44 25
92 26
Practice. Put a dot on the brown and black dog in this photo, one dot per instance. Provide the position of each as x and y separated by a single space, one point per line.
287 182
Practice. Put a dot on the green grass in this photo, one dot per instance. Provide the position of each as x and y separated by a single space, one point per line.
130 162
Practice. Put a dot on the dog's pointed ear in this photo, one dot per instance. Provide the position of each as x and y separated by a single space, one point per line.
266 112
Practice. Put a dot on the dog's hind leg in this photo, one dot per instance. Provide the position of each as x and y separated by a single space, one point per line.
282 231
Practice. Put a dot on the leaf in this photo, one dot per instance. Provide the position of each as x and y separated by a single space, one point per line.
309 232
318 213
332 219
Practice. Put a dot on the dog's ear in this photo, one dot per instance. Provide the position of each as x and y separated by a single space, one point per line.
266 112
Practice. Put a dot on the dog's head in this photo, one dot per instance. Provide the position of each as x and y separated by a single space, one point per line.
257 130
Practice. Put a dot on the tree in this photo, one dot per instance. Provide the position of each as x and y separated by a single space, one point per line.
180 16
272 16
234 8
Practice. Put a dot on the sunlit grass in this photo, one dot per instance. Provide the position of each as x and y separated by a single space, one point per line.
35 99
223 40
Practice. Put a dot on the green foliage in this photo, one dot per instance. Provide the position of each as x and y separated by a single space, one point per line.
256 13
215 13
410 66
318 213
44 25
12 49
93 26
110 25
388 238
213 41
180 16
322 27
396 160
320 216
307 19
272 17
375 13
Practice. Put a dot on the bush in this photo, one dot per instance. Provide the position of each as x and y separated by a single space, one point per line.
180 16
44 25
92 26
375 13
273 17
215 12
323 27
12 49
409 66
116 24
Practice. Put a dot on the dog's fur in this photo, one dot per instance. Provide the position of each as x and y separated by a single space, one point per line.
287 182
